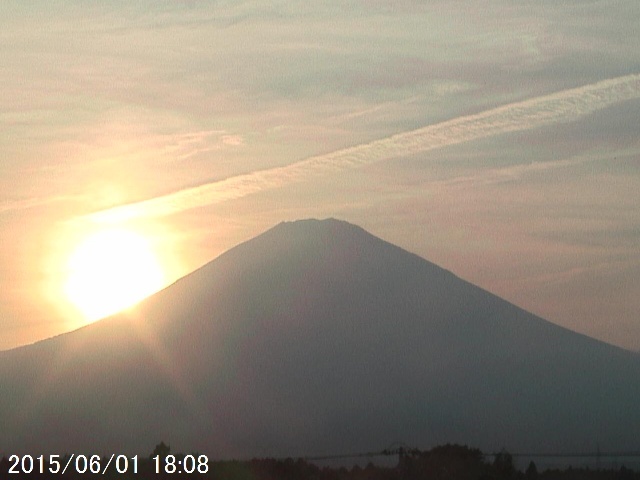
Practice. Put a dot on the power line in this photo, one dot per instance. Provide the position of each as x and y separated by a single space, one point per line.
408 451
567 455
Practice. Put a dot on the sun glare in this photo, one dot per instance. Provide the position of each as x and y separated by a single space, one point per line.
111 271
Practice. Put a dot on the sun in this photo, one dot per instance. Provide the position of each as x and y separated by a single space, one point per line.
110 271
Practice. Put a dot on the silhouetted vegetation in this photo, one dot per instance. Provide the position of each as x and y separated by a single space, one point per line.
451 462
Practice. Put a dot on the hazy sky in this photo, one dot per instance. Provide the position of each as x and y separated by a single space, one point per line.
496 139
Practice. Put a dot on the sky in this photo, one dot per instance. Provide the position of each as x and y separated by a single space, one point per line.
496 139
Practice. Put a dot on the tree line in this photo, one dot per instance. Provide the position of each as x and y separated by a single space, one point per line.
446 462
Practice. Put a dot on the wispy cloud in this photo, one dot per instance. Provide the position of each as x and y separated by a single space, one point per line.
512 172
560 107
26 203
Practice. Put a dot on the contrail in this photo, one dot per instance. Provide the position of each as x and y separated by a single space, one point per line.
561 107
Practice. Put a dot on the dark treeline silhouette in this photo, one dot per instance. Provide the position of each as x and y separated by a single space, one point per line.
450 462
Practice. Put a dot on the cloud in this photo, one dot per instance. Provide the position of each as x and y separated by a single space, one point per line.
26 203
232 140
561 107
515 172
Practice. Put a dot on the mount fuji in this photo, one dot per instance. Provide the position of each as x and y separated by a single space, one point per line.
316 337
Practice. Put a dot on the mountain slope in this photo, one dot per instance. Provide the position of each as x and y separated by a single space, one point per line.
317 337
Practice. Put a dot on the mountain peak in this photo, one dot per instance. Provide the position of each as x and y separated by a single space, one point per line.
316 222
321 227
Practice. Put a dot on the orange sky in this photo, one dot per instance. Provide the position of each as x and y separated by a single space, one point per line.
500 143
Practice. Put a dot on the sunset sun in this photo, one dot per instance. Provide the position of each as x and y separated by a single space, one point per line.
111 271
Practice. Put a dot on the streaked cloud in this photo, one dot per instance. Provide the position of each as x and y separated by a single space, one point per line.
9 205
561 107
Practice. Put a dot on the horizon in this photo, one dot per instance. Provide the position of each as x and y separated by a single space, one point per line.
498 143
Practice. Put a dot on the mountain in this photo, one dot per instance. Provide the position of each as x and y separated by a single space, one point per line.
317 337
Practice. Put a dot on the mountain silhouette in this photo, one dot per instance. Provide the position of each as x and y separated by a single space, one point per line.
317 337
